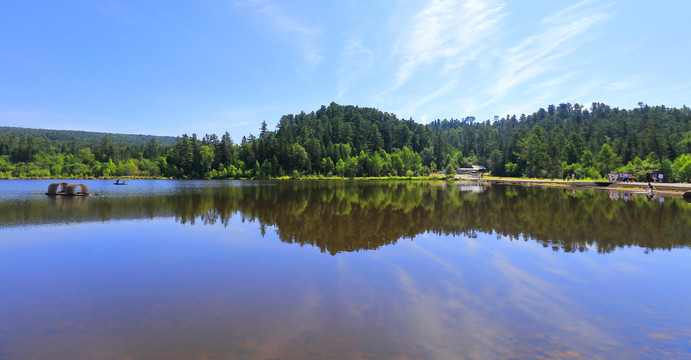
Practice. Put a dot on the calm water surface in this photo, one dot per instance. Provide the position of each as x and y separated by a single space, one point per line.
341 270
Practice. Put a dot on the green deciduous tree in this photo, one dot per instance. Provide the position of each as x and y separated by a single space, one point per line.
607 160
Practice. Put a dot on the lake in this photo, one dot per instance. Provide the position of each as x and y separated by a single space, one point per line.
341 270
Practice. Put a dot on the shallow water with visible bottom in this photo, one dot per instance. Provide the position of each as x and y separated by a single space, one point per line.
341 270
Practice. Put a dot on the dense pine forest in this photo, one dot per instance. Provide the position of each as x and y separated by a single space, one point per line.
351 141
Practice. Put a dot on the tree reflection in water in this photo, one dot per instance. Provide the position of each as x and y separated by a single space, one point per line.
338 216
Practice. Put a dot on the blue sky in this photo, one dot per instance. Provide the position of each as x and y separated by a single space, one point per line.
210 66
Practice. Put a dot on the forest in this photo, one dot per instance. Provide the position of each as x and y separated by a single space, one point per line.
351 141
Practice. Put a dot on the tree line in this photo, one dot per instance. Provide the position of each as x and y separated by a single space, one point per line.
352 141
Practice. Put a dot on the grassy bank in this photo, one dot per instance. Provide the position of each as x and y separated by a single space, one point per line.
306 177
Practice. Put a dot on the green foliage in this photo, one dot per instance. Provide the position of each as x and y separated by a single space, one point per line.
450 171
588 172
533 153
681 168
572 169
607 159
511 169
640 168
85 137
587 159
364 142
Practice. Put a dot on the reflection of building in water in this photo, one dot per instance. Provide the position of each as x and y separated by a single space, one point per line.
474 187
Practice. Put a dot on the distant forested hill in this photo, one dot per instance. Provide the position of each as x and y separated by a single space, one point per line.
86 137
42 153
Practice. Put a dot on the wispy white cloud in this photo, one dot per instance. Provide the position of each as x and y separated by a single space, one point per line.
466 54
356 61
629 48
435 94
540 54
566 12
554 82
279 20
536 297
433 59
540 93
622 84
446 34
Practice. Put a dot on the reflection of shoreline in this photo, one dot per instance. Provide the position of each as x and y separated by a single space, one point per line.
352 216
631 195
666 189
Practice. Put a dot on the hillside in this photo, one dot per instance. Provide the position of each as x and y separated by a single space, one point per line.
86 137
359 141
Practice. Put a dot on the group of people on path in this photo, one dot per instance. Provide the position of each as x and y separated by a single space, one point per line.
650 178
625 177
620 177
655 177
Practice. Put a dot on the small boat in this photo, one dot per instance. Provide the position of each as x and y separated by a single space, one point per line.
119 182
